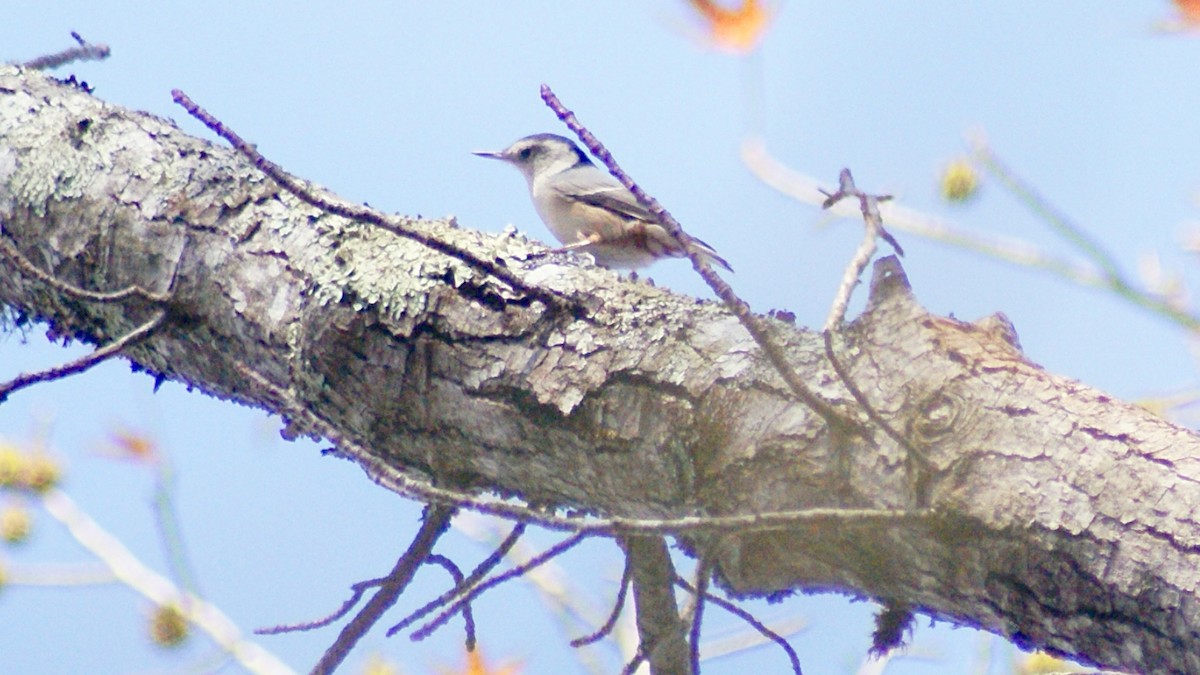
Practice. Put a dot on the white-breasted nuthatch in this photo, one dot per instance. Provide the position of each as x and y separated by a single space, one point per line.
588 210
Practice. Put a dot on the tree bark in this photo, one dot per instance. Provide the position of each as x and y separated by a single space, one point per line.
1061 518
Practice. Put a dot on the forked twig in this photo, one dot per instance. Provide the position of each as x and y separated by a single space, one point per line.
869 206
469 595
487 565
437 518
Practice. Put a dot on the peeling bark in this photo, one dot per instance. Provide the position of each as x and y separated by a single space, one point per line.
1064 519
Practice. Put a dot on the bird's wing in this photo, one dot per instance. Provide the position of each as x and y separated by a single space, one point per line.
614 197
609 195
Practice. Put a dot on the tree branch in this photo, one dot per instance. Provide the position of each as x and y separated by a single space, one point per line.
1057 516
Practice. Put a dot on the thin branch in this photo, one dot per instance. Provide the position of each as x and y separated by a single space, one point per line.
637 660
1006 249
916 460
481 570
437 518
703 575
869 205
613 616
757 329
397 481
456 574
25 265
748 618
158 589
84 362
807 190
362 213
1059 222
357 589
1113 279
469 595
83 52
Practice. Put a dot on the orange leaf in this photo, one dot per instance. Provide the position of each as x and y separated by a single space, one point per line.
736 29
1189 11
476 666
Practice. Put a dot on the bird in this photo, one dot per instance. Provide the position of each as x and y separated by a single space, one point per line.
587 210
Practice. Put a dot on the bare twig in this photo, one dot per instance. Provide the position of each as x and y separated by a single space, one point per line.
397 481
1006 249
703 574
748 618
613 616
487 565
83 52
12 253
869 206
631 667
469 595
358 589
362 213
757 329
456 574
437 518
84 362
916 463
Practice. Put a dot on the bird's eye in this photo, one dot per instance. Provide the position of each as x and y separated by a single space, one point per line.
525 153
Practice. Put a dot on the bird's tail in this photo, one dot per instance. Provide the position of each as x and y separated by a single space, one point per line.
709 252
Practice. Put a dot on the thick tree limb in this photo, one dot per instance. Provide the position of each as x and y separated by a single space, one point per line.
663 633
1063 518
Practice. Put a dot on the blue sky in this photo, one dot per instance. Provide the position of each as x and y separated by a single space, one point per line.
383 102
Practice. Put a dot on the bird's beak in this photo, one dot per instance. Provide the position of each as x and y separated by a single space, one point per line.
489 154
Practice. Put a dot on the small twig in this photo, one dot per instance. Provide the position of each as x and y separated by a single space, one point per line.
468 596
357 589
869 206
84 52
913 453
437 518
631 667
24 264
748 618
613 616
805 189
456 574
397 481
84 362
361 213
703 575
758 330
481 570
